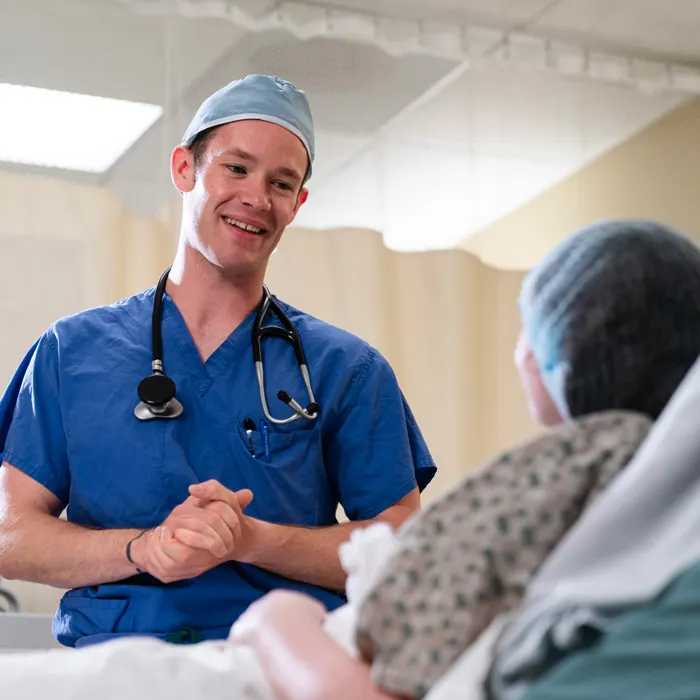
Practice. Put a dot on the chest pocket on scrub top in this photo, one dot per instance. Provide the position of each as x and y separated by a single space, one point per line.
285 471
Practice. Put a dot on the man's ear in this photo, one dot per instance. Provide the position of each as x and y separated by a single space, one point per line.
303 196
182 169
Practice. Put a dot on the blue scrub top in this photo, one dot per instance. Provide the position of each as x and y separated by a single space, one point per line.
74 431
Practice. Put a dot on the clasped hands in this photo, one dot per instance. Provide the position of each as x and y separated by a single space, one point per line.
207 529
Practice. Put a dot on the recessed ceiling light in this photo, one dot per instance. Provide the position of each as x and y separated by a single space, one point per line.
50 128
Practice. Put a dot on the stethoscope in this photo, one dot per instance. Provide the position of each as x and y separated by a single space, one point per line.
157 392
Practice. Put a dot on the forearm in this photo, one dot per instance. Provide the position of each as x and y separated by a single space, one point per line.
45 549
304 663
303 554
311 554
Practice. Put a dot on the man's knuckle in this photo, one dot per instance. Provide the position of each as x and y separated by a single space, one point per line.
225 511
210 514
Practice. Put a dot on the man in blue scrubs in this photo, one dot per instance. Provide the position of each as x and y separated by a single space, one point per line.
175 526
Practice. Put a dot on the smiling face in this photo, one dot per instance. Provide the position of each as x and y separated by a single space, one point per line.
245 191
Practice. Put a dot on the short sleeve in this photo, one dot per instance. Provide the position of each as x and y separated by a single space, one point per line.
36 439
374 451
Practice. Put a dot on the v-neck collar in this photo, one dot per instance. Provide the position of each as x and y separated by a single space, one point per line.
220 361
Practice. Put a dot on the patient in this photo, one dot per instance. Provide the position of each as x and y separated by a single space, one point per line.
614 612
611 325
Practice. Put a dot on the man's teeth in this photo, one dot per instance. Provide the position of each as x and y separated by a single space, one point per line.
240 224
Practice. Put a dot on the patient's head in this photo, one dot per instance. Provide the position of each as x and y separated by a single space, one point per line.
611 320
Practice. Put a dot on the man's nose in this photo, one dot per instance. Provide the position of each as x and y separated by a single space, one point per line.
254 194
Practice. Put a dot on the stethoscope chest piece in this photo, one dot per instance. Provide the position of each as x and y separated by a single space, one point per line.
157 394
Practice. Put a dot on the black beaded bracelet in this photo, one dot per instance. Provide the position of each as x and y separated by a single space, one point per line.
128 550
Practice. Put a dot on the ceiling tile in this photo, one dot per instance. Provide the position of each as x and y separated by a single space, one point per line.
497 13
645 27
499 111
64 46
351 87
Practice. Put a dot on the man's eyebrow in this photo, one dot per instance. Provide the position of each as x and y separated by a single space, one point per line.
244 155
290 172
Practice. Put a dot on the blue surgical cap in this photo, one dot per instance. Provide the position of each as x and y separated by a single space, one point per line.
612 316
263 97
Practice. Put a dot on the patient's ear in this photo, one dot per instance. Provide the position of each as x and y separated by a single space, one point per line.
540 404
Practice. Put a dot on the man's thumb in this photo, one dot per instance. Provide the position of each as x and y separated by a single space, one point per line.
244 496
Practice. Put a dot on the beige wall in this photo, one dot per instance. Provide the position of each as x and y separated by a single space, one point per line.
505 417
653 175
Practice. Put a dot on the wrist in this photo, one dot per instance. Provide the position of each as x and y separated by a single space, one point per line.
260 537
136 550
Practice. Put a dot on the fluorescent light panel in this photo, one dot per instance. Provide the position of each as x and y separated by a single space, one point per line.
55 129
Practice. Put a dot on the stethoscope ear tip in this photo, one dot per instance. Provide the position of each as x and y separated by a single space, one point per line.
310 412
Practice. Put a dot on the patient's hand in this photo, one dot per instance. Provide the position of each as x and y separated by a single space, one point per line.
276 613
299 659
